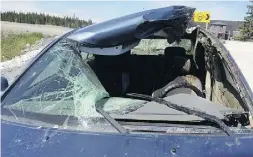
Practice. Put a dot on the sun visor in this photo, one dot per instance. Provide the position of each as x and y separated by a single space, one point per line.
108 51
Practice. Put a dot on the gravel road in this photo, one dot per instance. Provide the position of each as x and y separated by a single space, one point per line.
242 53
12 68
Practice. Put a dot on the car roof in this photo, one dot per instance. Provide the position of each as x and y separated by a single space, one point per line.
169 22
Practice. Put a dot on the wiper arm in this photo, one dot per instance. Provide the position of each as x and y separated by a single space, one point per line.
187 110
112 121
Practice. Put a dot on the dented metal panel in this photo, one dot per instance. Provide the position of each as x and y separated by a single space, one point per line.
131 28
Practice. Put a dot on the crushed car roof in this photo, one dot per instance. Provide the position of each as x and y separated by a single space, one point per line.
169 22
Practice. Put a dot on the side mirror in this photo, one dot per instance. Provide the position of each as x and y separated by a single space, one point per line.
4 83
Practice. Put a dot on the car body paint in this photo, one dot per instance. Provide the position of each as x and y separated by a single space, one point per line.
131 28
30 141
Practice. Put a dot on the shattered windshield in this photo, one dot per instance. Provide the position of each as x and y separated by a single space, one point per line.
61 83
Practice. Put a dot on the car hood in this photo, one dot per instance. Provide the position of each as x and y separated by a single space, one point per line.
169 22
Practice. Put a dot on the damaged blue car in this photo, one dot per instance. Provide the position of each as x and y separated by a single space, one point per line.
143 85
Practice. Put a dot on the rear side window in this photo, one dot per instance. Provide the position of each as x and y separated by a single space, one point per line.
157 46
151 47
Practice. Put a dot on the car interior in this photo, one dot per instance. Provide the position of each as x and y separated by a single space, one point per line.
171 72
132 73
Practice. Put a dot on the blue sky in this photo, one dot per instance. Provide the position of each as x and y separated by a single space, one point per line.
103 10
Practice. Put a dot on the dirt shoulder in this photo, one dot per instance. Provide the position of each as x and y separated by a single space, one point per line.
47 30
12 68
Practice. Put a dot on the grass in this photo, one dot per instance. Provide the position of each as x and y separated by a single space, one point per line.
13 44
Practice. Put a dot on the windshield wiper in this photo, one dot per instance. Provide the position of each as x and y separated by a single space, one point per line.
112 121
187 110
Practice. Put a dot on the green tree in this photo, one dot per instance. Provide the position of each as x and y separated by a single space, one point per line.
35 18
89 22
246 30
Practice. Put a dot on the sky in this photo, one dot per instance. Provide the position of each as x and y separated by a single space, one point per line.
99 11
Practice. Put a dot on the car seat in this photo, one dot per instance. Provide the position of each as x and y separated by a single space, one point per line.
112 73
179 66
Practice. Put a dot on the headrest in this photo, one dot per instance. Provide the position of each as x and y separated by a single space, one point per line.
178 58
174 51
